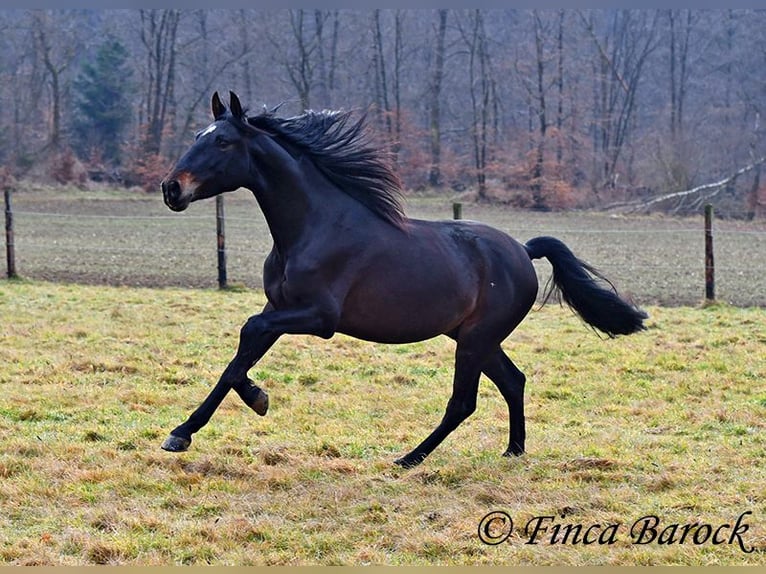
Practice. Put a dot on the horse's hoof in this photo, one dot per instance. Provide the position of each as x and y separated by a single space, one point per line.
513 452
261 403
409 461
176 444
254 397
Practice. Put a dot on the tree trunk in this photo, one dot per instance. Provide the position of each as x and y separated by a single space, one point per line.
301 73
322 84
244 35
680 32
679 58
538 199
42 28
434 175
560 89
381 84
481 86
397 81
333 54
158 35
751 204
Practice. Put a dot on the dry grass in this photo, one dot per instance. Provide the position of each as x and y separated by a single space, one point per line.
668 422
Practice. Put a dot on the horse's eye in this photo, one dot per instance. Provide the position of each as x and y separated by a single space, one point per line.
222 142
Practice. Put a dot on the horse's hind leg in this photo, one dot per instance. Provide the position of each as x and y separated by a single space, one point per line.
460 406
510 381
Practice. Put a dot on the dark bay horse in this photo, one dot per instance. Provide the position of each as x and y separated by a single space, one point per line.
347 260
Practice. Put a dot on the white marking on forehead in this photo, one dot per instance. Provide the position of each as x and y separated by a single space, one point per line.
209 129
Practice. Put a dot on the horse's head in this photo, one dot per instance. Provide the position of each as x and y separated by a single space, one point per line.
217 161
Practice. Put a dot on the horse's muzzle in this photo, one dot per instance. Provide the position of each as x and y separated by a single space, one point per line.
172 194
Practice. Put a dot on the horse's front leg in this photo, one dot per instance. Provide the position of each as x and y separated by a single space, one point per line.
255 339
252 346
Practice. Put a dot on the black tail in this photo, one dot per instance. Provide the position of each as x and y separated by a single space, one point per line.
578 284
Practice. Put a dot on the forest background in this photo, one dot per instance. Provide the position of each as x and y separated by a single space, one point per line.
541 109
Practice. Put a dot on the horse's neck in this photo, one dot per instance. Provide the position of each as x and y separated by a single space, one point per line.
297 203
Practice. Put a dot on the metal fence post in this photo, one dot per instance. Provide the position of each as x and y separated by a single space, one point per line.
219 227
709 261
10 248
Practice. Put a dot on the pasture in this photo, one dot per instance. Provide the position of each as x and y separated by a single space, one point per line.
120 238
668 423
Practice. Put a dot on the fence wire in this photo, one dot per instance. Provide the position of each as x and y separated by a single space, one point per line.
656 261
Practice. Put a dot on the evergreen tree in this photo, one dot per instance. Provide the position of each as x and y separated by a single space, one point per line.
102 107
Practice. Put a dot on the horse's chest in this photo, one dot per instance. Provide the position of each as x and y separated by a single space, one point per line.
297 282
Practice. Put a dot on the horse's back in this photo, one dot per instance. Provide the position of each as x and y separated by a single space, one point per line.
487 248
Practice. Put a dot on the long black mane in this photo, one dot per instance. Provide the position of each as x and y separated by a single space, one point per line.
344 151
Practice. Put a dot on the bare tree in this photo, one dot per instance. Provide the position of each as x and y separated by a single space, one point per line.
560 86
623 48
482 93
538 96
388 77
55 49
381 84
397 80
680 22
680 28
208 58
301 70
159 29
309 57
435 95
246 69
541 73
327 52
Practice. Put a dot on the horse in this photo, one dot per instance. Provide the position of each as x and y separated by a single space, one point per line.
346 259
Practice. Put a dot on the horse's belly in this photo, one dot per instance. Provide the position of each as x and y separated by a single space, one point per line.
400 333
390 332
406 311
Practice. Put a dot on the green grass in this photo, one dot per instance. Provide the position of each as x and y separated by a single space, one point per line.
669 422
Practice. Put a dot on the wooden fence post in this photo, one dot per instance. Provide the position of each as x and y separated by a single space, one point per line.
10 248
457 210
709 261
219 227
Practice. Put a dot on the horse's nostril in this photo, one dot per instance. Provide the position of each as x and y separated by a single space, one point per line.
173 195
171 188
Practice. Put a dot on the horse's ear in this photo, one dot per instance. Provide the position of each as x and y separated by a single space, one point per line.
218 108
236 107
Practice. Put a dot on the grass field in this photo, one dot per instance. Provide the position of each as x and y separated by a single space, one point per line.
670 422
122 238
